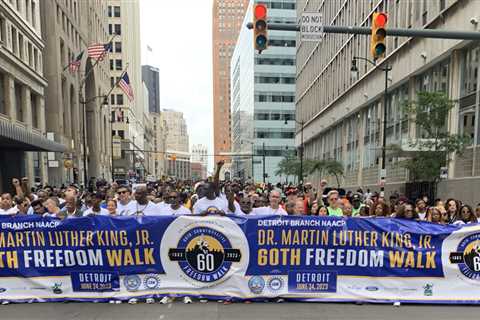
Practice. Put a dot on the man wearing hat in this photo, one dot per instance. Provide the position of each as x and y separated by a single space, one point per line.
356 204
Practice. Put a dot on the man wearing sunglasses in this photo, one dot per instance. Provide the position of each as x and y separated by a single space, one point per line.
174 206
125 205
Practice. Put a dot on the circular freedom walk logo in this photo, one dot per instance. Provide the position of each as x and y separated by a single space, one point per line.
467 256
204 254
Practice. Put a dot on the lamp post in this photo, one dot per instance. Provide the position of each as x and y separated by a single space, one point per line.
386 69
302 124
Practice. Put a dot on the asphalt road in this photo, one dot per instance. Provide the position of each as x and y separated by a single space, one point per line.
213 310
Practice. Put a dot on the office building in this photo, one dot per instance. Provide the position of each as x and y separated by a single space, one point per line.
199 156
263 96
158 144
23 140
176 130
151 78
127 115
227 22
344 115
75 109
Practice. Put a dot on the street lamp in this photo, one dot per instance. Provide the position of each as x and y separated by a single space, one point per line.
386 69
302 124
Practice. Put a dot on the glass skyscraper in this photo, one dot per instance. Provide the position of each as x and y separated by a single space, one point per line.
263 96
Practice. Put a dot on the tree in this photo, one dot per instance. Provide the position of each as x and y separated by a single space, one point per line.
328 167
434 145
290 166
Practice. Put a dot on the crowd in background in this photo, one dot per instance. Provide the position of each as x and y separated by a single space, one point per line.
171 197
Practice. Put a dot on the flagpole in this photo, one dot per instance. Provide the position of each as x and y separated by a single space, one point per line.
111 122
84 103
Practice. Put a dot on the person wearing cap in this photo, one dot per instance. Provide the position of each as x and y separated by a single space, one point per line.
356 204
333 204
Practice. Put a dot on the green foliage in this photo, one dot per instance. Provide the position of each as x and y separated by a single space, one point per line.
290 166
328 167
435 144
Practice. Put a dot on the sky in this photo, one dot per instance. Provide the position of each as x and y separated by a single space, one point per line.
180 35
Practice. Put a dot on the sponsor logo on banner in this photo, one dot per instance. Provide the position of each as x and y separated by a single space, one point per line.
428 289
132 282
256 284
308 281
467 256
371 288
204 253
57 288
275 284
151 281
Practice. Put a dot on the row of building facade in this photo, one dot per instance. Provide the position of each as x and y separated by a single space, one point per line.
343 115
58 127
293 82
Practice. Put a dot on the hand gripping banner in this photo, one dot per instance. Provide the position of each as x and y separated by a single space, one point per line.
303 258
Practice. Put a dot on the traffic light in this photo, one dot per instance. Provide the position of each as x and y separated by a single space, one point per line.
260 38
379 32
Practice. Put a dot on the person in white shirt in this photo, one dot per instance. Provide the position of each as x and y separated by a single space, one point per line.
210 204
144 207
125 205
274 207
95 209
6 205
243 207
173 206
53 208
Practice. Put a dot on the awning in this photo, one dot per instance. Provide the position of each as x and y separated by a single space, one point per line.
14 137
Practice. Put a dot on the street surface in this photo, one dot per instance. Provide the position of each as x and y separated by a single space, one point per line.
213 310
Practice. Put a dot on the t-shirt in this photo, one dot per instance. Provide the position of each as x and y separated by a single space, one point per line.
356 212
127 209
238 211
422 216
204 204
264 211
9 212
335 212
148 209
89 211
181 211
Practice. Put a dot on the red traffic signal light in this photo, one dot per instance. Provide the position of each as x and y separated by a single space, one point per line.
379 32
260 26
260 11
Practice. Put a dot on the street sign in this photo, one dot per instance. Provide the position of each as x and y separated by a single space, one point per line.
311 26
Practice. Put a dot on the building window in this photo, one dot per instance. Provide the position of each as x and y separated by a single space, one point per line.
110 29
14 41
118 29
118 47
112 99
34 18
112 79
112 64
109 9
3 31
116 12
2 95
120 99
470 71
118 65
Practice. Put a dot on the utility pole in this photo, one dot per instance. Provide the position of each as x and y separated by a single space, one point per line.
263 162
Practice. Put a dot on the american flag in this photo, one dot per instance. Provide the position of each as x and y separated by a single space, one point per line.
74 65
98 51
124 84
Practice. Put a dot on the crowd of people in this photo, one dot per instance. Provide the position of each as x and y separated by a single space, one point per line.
170 197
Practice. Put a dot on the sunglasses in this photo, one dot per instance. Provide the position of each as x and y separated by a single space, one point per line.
122 192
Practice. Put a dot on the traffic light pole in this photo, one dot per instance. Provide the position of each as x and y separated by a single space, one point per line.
399 32
263 147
